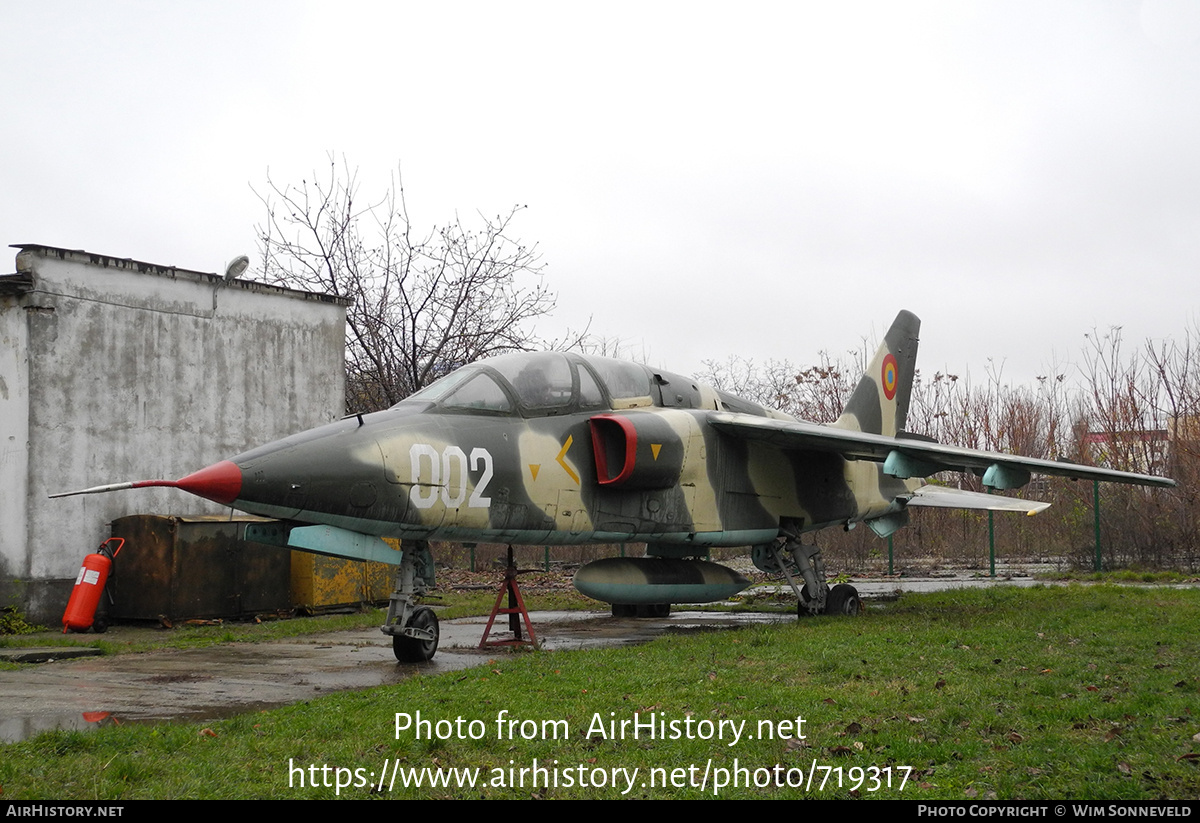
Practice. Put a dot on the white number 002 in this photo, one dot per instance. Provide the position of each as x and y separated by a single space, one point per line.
442 472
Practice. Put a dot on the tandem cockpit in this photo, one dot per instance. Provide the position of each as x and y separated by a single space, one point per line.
540 384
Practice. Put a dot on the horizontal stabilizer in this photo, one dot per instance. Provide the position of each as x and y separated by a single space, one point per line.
943 497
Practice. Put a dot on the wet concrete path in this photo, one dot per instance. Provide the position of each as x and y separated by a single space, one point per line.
219 681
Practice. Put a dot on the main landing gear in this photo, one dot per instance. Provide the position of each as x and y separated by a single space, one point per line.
843 599
414 629
813 595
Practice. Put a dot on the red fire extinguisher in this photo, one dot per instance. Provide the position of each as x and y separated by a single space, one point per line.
81 608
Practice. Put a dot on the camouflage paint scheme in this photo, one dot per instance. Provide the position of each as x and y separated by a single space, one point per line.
650 581
558 448
621 452
428 470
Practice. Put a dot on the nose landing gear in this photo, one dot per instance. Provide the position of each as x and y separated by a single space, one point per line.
414 629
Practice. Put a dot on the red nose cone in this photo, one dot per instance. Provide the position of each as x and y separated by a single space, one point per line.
220 482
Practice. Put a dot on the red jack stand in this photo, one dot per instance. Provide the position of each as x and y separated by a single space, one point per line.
515 611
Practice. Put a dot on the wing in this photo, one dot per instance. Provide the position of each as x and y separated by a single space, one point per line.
905 457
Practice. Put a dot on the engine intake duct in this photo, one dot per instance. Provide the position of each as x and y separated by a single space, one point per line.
635 451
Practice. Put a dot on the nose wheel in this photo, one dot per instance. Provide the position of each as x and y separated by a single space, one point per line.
414 629
420 647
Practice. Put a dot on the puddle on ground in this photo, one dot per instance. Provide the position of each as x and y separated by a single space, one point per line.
225 680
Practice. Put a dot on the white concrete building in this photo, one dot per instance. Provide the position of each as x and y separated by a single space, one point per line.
114 370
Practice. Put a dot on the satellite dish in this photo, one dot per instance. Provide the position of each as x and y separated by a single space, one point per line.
235 269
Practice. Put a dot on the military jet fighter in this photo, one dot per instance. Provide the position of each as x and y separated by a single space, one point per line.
559 448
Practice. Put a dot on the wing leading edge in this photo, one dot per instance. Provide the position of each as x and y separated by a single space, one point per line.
905 457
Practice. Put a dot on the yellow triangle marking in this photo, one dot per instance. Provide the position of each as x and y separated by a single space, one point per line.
563 453
533 469
656 448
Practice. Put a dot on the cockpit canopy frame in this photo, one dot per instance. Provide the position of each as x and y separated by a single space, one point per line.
540 384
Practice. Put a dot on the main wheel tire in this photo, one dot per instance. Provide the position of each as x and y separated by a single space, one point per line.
624 610
843 600
654 610
411 649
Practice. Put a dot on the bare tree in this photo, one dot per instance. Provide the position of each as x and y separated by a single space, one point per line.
425 301
816 393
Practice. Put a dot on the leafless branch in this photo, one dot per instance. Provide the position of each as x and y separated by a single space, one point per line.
424 302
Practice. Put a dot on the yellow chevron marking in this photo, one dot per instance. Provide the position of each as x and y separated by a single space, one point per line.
533 469
563 453
656 448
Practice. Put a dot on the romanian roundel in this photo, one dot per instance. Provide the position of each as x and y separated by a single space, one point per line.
889 376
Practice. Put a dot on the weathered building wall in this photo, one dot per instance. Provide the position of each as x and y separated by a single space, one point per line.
128 371
14 448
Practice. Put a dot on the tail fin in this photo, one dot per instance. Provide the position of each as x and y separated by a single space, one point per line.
879 404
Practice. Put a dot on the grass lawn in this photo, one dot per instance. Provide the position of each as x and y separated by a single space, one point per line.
1079 692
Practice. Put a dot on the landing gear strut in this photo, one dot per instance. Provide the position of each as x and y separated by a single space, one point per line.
813 595
414 629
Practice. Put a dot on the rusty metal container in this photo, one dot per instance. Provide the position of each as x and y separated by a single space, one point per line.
320 582
196 567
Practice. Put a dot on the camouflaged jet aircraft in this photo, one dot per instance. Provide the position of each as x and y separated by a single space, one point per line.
559 448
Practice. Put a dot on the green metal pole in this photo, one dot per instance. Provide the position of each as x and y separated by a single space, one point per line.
472 558
991 542
890 572
991 539
547 558
1096 511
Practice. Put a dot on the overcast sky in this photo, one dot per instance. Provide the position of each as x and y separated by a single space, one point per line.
770 179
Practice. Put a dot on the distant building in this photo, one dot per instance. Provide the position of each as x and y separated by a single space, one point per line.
114 370
1145 451
1184 430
